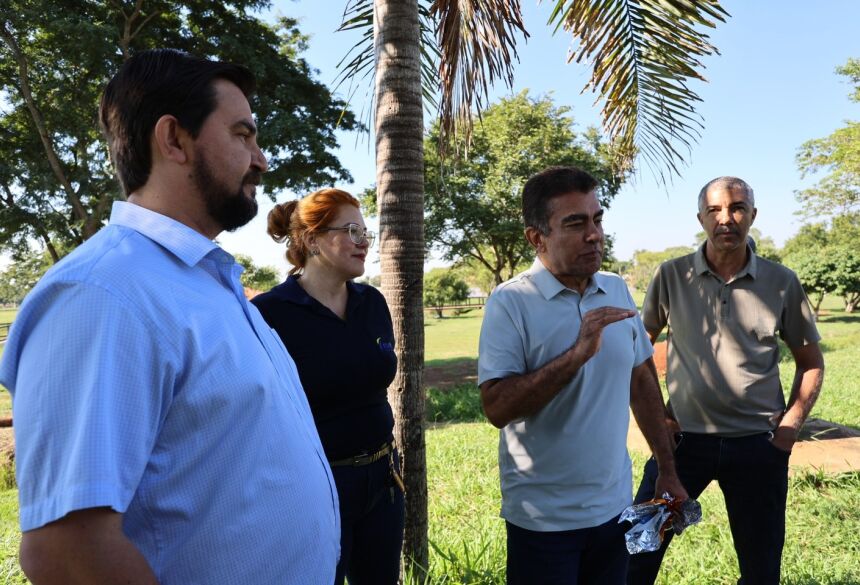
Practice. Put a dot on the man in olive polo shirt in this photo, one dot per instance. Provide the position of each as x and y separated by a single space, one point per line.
726 308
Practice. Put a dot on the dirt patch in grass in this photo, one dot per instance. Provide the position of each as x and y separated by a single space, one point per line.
449 373
660 358
7 446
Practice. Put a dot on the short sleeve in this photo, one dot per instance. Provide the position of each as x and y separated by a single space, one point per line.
501 352
798 321
91 384
655 309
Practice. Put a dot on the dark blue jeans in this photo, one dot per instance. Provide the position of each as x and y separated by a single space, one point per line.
753 476
570 557
371 524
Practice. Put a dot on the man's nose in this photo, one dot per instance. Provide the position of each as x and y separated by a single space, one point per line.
725 216
259 161
593 233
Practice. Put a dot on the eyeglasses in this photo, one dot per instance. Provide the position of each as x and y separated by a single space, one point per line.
357 234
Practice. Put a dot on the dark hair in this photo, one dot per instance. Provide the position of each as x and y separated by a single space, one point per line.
152 84
290 221
547 184
730 183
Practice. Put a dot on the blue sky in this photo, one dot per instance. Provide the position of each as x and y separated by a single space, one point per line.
772 88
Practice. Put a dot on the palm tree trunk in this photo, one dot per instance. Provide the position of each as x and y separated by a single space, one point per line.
400 193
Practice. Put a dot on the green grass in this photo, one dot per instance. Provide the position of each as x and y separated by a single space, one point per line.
452 337
462 403
840 342
10 537
457 338
467 536
7 315
468 542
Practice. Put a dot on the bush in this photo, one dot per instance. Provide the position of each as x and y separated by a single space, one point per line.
461 403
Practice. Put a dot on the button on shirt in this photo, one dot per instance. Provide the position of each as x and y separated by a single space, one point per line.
565 467
142 380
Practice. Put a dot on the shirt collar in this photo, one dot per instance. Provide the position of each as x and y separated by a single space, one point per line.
549 286
183 242
700 263
290 290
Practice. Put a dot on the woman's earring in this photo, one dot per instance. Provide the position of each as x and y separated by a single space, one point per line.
315 252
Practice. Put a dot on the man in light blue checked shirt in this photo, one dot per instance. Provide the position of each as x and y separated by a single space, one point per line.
162 434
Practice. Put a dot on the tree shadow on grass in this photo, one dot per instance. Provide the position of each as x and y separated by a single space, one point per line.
839 317
447 373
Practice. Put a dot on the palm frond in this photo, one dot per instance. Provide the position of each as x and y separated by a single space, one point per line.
477 45
643 54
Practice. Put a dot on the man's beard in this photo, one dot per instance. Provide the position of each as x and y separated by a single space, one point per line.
229 209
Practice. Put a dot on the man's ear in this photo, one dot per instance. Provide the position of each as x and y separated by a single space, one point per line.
535 238
170 141
754 213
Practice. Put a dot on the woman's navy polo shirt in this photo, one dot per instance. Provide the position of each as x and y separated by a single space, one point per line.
345 365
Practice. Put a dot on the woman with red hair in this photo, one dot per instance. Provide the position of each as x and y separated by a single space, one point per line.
340 335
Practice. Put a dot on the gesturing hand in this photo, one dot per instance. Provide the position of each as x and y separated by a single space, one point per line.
591 330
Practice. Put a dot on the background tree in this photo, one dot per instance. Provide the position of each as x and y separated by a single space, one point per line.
838 157
826 259
643 55
645 263
765 246
809 237
825 254
473 203
56 184
21 275
259 278
845 261
477 275
443 286
814 267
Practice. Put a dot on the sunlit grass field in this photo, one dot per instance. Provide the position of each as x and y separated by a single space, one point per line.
467 536
451 337
468 542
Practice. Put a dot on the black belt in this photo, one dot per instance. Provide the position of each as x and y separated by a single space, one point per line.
364 458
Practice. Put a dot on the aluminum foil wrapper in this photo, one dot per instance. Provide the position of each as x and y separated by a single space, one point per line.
651 520
689 512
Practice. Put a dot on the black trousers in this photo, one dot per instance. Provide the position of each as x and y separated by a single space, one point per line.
371 524
587 556
753 476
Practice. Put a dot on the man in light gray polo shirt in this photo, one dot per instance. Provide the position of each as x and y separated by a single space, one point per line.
726 308
562 355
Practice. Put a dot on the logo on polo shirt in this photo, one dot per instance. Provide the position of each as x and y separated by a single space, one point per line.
384 345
